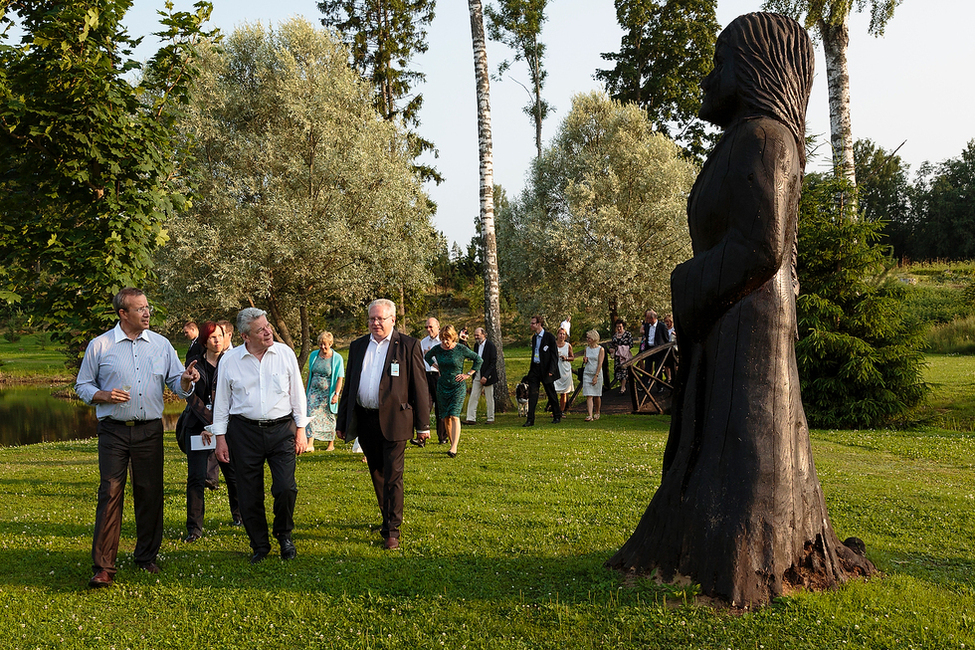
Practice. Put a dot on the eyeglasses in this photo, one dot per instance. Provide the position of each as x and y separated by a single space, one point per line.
262 330
378 319
141 310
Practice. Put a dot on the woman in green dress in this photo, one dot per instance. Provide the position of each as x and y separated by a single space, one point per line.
452 386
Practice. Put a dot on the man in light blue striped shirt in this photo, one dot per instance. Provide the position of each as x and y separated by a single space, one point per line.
124 373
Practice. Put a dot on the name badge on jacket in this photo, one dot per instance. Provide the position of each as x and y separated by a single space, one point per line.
394 369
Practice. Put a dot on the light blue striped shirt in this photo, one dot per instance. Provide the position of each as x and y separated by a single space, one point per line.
146 365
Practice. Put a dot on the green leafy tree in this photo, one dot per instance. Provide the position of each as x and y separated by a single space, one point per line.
602 221
306 199
664 55
831 19
858 352
884 191
944 209
87 181
518 24
383 36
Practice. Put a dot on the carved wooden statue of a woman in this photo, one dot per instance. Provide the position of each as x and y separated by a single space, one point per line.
740 509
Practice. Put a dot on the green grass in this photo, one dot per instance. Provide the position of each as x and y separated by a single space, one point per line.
503 547
32 358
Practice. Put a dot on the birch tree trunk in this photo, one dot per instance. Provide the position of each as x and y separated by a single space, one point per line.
836 41
492 288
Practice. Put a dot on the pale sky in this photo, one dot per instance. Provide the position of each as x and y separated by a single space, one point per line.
913 84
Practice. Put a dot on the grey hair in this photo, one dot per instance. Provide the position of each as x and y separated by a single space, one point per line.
481 330
247 316
382 302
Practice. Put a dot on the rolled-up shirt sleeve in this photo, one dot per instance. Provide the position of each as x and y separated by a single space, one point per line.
85 385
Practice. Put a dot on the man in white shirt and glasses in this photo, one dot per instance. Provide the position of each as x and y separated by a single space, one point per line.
259 415
124 373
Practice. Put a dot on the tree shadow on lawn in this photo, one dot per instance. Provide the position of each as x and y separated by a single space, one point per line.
571 579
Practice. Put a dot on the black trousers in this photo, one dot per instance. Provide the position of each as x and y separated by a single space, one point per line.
386 464
534 379
197 474
432 379
250 447
142 446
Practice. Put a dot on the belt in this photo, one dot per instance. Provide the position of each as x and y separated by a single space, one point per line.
264 423
131 423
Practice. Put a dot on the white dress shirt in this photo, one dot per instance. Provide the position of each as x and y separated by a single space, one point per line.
372 372
265 389
427 344
145 365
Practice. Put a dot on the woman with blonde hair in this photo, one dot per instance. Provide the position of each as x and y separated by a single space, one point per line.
326 373
592 375
452 385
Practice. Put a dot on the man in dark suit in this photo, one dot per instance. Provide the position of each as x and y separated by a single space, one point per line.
544 371
484 379
384 398
652 334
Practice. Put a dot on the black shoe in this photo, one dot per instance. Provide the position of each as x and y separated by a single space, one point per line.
192 537
452 454
149 567
529 423
258 556
238 521
556 420
418 442
211 485
288 550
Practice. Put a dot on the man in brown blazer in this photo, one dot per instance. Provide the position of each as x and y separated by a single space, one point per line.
385 397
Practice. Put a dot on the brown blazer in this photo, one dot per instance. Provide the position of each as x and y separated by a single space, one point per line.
398 396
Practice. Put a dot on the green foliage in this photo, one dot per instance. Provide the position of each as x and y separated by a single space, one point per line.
665 53
934 305
954 337
306 198
944 209
87 180
518 25
859 357
602 222
383 36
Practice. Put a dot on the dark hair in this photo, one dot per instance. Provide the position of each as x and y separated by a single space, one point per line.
208 328
118 302
619 321
539 320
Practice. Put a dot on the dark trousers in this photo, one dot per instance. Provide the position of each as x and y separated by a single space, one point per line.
250 446
142 446
197 473
432 378
534 379
385 459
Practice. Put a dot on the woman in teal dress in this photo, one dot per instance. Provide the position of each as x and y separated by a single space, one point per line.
452 386
326 372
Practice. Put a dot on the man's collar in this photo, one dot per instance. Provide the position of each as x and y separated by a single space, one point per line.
248 352
385 338
120 333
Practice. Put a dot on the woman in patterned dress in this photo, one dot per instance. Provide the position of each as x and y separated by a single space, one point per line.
326 372
620 345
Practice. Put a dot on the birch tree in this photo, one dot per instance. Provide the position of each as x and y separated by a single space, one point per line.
831 20
485 148
518 24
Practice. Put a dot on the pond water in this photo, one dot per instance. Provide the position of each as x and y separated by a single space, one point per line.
31 414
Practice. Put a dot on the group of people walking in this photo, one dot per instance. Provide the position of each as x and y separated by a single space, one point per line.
247 407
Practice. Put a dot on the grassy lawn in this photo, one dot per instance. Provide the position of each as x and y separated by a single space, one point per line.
502 548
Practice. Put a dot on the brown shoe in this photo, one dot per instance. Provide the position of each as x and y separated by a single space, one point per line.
101 579
469 422
391 543
149 567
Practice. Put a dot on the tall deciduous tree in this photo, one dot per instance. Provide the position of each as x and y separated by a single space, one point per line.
601 224
884 191
664 55
306 197
485 149
518 24
831 19
87 171
944 209
383 36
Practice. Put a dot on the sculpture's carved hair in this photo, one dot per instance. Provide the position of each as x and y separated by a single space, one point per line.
774 68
